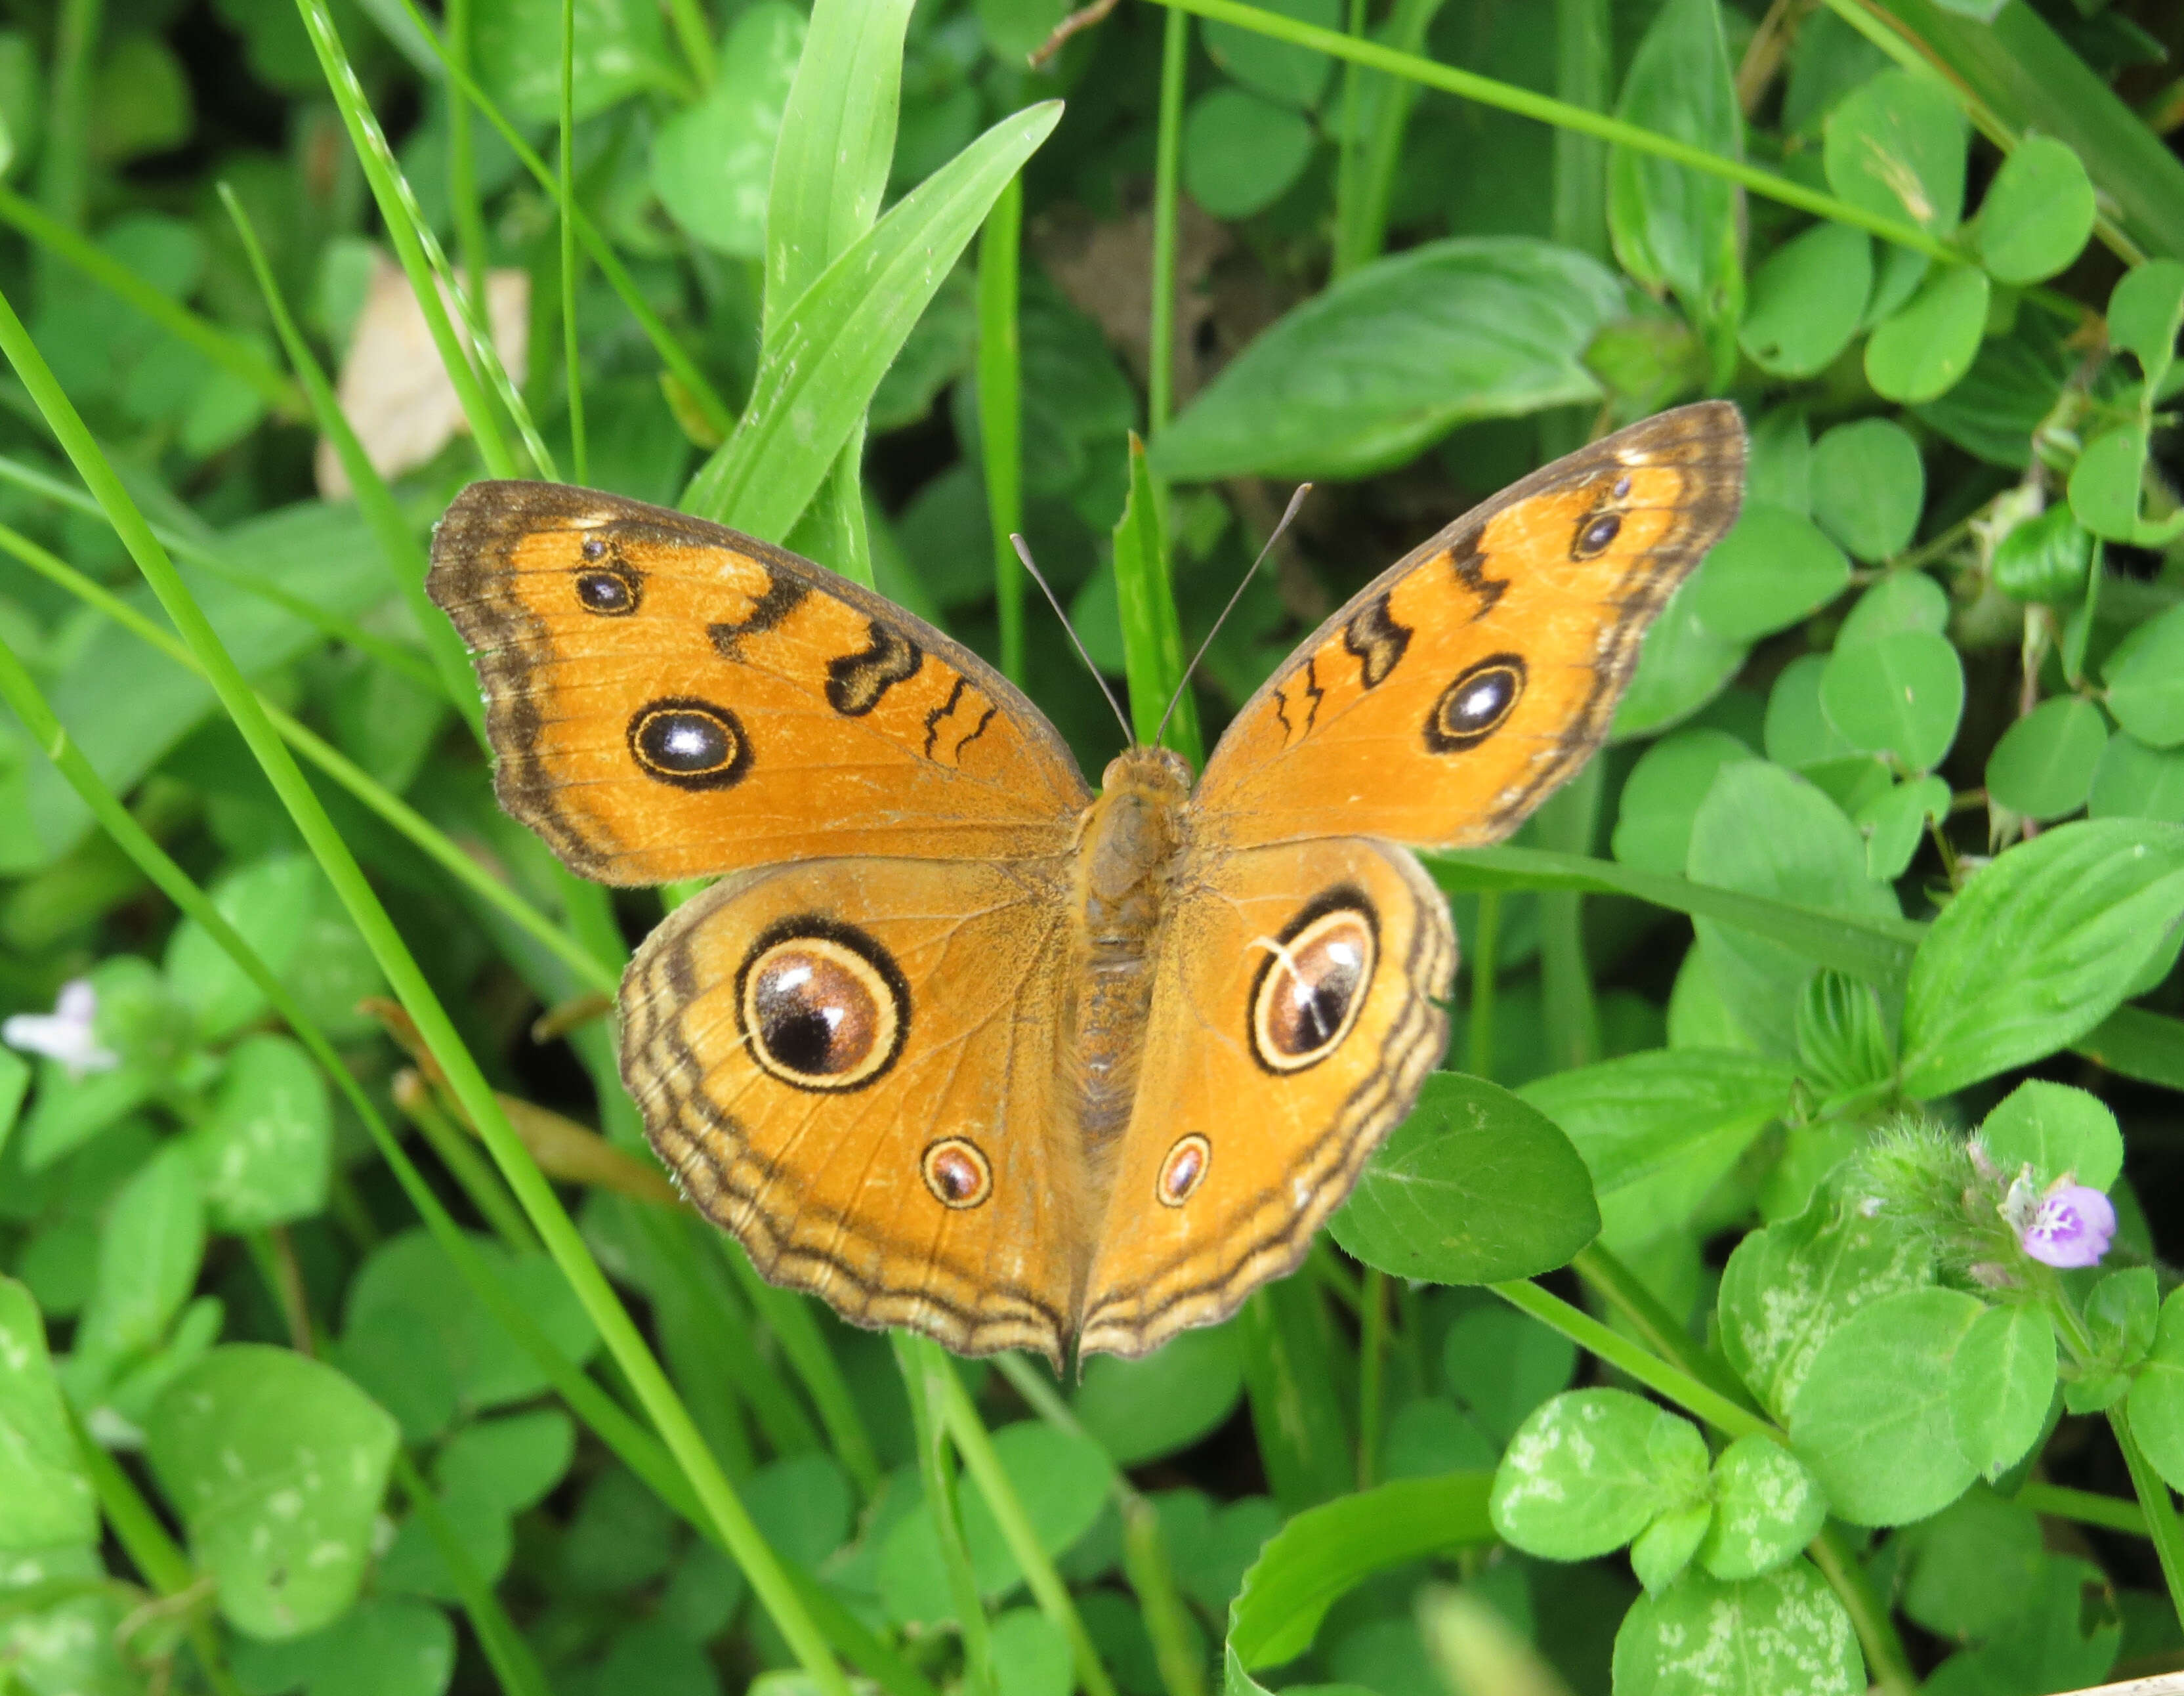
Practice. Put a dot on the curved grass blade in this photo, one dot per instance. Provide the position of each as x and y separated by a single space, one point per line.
831 347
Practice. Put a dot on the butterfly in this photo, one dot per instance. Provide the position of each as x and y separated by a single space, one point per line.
957 1044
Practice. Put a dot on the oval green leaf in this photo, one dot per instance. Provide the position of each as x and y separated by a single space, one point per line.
2044 766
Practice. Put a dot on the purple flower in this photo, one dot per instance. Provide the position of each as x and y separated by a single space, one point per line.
2071 1227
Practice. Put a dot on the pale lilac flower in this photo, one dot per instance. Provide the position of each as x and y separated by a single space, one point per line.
2071 1227
65 1034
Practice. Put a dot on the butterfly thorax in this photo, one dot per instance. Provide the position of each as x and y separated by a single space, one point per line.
1128 844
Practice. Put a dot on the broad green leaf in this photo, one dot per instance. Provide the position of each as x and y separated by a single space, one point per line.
1662 1552
265 1148
1896 148
1842 1036
2156 1407
2057 1130
712 164
1673 227
1589 1470
1323 1553
1241 153
2146 310
1474 1187
1972 1566
1765 832
805 1508
1796 731
1293 74
1778 467
830 350
1807 299
2044 559
2134 781
1869 485
1901 602
1705 1636
1924 350
2105 483
2037 214
513 1461
150 1246
837 131
1393 357
2145 677
621 50
1502 1364
415 1335
41 1475
386 1645
277 1464
73 1644
1895 822
1662 796
1031 1655
1787 1287
1767 1507
1659 1130
267 902
2053 1641
1682 665
1772 569
2038 949
2000 1384
1142 1409
1903 696
1872 1418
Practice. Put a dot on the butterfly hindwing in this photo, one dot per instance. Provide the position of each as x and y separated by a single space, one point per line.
669 699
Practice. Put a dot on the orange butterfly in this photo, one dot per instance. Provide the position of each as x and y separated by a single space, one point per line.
953 1042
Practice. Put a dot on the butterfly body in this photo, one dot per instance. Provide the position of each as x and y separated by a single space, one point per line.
958 1044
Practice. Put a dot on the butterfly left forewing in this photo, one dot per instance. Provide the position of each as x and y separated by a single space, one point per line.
1252 1117
1447 700
669 699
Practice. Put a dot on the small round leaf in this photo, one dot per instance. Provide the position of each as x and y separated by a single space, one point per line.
1868 487
1901 695
1240 153
1923 351
2044 766
2038 212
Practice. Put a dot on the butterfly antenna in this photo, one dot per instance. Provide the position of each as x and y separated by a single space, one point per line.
1296 500
1024 552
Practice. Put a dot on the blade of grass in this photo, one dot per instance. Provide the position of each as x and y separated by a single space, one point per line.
1568 824
691 30
1000 414
1583 42
836 144
1372 1363
405 558
1876 950
1479 1038
2157 1505
1525 104
505 1650
462 157
1350 152
1290 1381
233 355
588 968
1167 194
789 1317
831 347
1365 235
1152 632
400 968
64 171
972 1442
414 245
718 415
924 1367
579 458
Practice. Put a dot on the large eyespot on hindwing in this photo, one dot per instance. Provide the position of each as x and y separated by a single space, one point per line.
822 1005
1307 994
957 1172
692 743
1476 705
607 585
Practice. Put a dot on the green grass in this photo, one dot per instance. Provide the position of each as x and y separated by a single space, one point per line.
1708 954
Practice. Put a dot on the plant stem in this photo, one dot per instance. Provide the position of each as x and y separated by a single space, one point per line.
1619 1285
1885 1659
1001 412
1479 1045
1372 1372
579 460
1168 190
506 1648
2087 1507
2158 1506
1583 35
924 1367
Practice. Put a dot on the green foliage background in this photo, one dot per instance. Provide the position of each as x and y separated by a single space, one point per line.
350 1341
